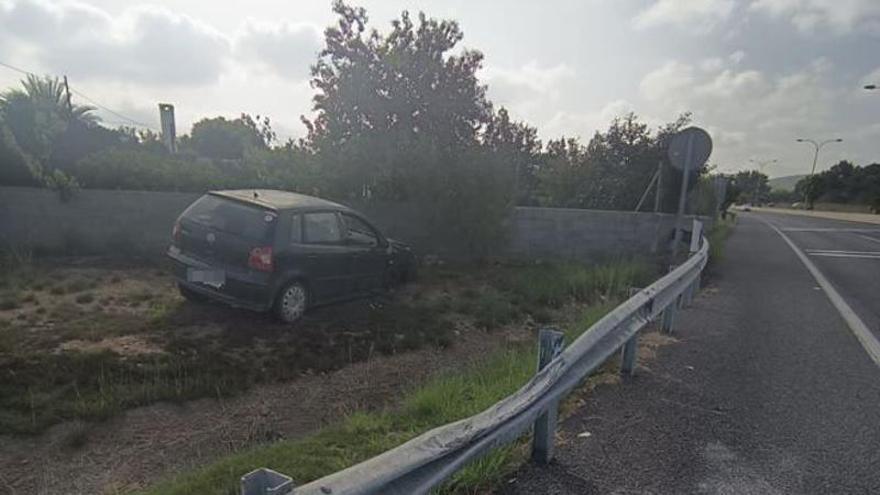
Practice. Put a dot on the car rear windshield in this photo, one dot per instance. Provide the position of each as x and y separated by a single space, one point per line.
226 215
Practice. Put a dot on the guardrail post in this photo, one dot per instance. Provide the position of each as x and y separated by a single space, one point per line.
550 345
628 356
668 321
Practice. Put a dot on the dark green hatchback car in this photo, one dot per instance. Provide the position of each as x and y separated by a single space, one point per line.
281 251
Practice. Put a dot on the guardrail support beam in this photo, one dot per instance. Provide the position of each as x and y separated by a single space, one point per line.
628 356
668 322
551 343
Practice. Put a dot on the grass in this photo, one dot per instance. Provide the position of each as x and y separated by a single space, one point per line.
443 399
717 238
85 298
363 435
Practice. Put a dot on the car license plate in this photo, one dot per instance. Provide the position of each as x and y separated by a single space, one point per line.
213 278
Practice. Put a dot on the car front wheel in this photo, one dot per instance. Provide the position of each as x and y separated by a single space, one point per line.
292 302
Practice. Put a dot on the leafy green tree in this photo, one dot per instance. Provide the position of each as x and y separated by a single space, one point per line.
614 169
516 145
844 183
38 115
403 116
748 186
221 139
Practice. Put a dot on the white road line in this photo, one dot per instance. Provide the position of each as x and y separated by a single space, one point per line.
856 325
847 255
808 229
839 251
869 238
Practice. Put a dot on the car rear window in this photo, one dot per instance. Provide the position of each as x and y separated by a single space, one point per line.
226 215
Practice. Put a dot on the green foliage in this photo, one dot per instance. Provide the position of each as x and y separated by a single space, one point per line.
222 139
613 170
717 238
362 435
137 169
747 186
844 183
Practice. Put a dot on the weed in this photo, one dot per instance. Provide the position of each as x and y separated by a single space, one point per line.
363 435
718 237
57 289
30 297
77 437
80 284
10 301
85 298
140 296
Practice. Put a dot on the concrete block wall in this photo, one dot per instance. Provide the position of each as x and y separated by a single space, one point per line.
92 222
139 222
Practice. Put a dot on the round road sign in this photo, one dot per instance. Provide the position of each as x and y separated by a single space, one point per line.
700 145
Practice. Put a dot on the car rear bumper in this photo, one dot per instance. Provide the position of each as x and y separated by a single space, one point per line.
241 289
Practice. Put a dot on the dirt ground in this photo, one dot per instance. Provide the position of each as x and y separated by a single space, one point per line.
144 444
112 381
69 322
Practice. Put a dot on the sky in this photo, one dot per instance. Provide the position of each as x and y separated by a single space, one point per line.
757 74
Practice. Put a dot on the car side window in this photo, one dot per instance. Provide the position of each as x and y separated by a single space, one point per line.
358 232
296 231
322 228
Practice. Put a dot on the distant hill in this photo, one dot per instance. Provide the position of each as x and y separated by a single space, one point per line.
786 183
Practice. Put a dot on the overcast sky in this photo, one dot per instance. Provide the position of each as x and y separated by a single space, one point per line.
756 73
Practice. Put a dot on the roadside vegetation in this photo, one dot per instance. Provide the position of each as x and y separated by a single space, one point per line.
87 342
573 297
718 235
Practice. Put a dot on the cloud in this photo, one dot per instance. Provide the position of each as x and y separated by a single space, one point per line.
750 112
841 16
285 49
698 16
529 91
145 45
148 45
584 125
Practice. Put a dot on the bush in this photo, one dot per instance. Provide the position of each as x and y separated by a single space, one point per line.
137 169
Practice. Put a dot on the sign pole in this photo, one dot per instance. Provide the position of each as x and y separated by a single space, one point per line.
682 199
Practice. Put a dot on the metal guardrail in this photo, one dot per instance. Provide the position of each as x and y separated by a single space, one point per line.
428 460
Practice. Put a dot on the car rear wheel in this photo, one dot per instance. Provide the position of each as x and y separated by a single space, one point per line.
292 302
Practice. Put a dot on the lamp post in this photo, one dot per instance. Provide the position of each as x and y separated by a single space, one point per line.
761 164
817 146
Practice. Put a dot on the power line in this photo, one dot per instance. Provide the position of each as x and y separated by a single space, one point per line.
91 100
16 69
81 95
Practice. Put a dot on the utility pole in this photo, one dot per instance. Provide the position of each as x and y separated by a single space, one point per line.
67 92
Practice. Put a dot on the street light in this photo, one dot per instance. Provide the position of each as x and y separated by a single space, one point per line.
761 164
818 147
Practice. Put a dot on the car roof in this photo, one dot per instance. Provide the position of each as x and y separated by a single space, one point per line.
277 200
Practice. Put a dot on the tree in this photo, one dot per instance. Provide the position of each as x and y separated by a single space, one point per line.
748 186
38 115
222 139
516 145
379 94
614 169
843 183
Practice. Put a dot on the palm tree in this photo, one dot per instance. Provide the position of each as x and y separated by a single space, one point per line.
39 114
48 94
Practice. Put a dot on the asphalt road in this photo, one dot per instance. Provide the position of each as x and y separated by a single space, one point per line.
767 390
847 253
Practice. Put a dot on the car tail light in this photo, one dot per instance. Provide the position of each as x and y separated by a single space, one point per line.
175 232
260 258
